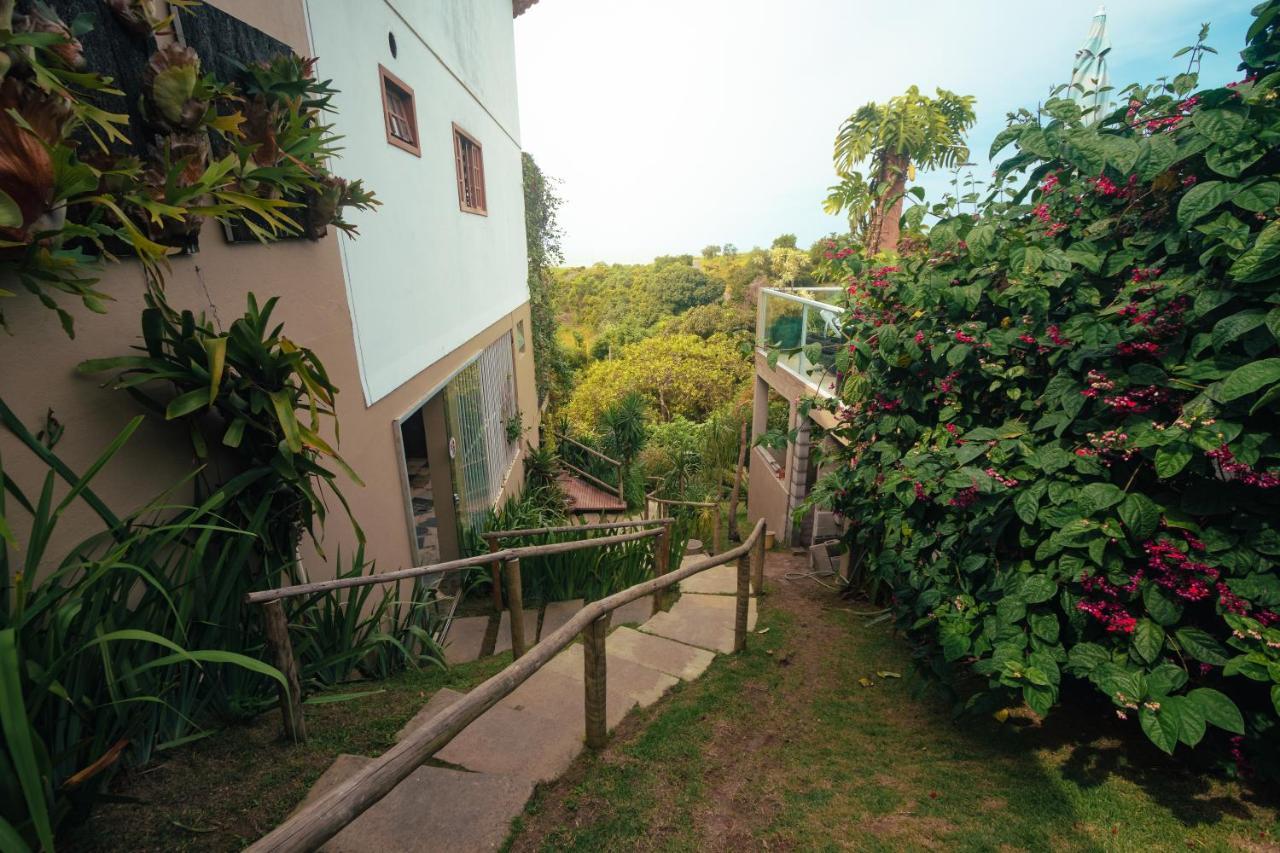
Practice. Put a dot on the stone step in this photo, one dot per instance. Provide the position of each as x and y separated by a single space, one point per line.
557 613
676 659
705 621
434 809
503 643
641 683
518 743
465 639
721 580
633 613
560 697
441 699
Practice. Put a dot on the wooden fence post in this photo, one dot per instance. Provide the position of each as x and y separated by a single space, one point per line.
743 602
661 563
495 571
715 531
758 568
515 607
276 628
595 680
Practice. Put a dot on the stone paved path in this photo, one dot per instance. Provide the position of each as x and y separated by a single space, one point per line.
535 733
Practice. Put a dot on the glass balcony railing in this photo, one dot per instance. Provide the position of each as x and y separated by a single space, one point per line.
804 326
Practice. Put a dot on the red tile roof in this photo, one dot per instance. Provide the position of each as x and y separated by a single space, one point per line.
519 7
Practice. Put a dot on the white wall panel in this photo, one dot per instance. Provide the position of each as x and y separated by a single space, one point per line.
424 277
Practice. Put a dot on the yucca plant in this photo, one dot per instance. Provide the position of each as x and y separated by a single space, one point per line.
98 665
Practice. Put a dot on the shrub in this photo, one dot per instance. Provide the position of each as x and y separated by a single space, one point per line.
1061 415
675 374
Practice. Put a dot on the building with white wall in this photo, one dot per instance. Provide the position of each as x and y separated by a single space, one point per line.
422 321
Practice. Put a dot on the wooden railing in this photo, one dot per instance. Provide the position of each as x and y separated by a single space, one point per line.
506 566
615 472
325 817
714 506
515 599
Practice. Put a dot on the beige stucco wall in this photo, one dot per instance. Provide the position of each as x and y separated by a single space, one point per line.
37 368
766 494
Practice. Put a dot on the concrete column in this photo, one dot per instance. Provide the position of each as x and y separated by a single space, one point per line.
797 473
760 409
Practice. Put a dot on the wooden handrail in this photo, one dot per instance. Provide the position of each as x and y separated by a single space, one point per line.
573 528
325 817
591 450
523 552
715 517
588 475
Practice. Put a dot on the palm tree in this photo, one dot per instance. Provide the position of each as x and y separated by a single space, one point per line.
909 131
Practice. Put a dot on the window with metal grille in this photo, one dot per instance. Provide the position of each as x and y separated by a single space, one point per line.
399 112
468 156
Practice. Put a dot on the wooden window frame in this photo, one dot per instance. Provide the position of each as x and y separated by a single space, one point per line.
478 168
386 78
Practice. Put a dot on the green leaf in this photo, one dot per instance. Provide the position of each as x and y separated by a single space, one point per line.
1201 645
1275 696
1026 504
1037 588
1096 496
185 404
1140 515
1247 379
283 407
1258 198
1172 459
1161 728
1160 606
1222 127
216 351
1148 640
1084 658
1045 626
1217 709
1203 199
19 738
1255 264
10 213
235 433
1191 723
1039 698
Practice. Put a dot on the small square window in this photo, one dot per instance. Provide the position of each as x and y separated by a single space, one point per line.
468 156
399 113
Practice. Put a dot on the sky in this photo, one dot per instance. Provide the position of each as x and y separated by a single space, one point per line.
674 124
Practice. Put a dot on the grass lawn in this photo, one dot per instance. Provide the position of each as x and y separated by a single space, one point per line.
225 791
783 748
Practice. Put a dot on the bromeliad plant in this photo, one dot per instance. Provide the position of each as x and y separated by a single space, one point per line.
1061 415
255 393
69 200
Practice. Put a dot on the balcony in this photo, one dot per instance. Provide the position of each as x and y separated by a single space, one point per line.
803 325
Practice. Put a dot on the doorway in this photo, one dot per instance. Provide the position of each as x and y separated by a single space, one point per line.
428 472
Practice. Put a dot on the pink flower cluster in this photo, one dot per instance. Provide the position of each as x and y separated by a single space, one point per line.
1136 348
1050 183
1139 400
964 498
1007 482
1145 273
1175 571
1111 614
964 338
1239 472
1056 336
1111 444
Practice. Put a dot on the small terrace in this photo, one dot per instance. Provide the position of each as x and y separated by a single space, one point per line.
803 326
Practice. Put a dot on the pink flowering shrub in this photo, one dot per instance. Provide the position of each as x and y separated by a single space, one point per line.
1062 411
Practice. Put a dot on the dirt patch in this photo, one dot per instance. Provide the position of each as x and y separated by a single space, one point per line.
918 830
